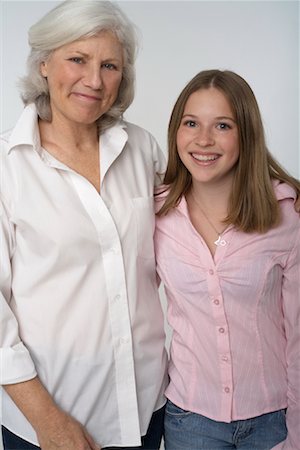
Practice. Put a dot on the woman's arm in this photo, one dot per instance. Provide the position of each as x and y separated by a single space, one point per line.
54 428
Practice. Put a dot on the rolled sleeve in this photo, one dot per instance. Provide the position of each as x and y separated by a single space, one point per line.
15 362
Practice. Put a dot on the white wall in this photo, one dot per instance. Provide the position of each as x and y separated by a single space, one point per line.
257 39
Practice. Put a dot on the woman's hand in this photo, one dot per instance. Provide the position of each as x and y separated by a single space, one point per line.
55 429
59 431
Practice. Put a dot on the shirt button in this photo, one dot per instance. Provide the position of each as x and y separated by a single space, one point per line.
211 272
124 340
117 297
227 390
216 301
221 330
225 358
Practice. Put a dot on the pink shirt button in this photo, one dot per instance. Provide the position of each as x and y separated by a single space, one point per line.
221 330
216 301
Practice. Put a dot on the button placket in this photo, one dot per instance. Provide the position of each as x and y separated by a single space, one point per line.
119 317
222 337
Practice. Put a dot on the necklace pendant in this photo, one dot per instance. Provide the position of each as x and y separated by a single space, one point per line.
220 242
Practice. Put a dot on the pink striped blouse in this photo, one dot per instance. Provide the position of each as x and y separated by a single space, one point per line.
235 350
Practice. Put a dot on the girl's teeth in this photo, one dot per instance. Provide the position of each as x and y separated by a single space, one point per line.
204 157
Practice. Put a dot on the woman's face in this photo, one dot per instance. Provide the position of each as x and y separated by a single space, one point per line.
207 138
84 78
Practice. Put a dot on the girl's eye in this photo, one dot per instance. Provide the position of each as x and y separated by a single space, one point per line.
76 60
190 123
223 126
109 66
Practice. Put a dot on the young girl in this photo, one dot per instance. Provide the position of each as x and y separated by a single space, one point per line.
227 245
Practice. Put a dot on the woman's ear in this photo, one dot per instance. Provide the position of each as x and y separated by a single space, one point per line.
43 69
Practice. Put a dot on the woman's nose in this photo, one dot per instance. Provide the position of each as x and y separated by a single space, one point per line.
92 77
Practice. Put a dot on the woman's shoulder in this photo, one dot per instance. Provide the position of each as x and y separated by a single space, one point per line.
137 131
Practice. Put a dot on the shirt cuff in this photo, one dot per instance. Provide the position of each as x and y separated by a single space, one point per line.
16 364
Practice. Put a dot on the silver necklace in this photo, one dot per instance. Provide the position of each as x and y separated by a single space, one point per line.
220 242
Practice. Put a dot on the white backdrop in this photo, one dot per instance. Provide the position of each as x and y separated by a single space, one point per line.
257 39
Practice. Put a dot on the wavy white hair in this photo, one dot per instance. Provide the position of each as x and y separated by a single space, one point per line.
69 21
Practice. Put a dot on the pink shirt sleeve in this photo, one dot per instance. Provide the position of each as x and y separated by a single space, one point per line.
291 311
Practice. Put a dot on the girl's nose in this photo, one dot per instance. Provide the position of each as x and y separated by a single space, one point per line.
205 138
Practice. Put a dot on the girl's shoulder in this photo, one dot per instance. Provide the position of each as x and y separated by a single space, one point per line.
290 219
284 191
160 195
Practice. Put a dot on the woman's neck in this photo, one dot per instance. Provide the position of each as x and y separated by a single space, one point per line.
69 136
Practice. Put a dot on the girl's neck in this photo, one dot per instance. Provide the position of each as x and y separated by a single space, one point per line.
214 197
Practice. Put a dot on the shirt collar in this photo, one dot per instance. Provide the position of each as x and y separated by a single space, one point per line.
112 142
26 130
283 190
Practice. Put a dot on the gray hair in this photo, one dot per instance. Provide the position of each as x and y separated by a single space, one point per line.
69 21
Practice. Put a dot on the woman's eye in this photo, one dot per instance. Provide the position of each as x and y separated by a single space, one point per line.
76 60
109 66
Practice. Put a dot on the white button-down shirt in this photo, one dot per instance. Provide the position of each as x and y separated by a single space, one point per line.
79 302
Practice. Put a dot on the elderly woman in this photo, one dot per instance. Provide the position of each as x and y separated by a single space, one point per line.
82 340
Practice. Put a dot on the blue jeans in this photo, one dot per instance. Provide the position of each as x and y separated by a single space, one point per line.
151 441
185 430
13 442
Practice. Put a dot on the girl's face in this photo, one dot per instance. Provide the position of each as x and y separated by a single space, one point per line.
207 138
84 78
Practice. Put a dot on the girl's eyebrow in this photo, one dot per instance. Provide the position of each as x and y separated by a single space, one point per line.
189 115
225 118
216 118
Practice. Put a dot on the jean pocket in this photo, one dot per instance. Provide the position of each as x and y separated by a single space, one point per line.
174 410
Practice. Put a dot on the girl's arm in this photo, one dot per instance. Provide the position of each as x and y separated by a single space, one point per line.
291 311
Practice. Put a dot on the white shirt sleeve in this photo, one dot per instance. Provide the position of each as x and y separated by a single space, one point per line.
15 362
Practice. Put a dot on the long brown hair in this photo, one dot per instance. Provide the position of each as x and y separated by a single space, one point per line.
252 205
